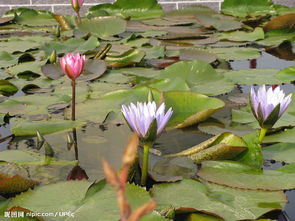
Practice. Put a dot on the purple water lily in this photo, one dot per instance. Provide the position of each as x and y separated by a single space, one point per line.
141 116
268 105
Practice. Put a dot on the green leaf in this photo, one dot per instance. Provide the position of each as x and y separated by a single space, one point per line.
24 127
239 175
253 155
73 45
257 34
190 108
130 8
103 26
196 54
247 8
58 197
285 136
7 59
202 217
131 56
199 76
7 88
220 147
287 74
228 203
254 76
235 53
33 17
283 152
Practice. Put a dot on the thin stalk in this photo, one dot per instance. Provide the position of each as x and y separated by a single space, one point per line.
73 100
75 144
79 17
262 135
144 172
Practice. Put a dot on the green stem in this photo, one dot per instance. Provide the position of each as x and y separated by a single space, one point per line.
73 100
262 135
144 171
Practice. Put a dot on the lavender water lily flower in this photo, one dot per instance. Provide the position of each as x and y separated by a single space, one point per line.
148 122
268 105
142 118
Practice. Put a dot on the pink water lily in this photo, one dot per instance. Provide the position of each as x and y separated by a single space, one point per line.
77 4
141 116
72 65
268 105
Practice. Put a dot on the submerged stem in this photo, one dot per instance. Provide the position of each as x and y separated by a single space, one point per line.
262 135
73 100
79 17
144 172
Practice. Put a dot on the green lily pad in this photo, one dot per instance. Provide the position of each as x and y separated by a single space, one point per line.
257 34
24 127
224 146
238 175
129 8
287 74
103 26
31 105
7 88
196 54
283 152
7 59
131 56
235 53
228 203
285 136
198 76
75 197
190 108
254 76
33 17
73 45
247 8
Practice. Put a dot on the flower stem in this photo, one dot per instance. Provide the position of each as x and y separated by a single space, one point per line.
79 17
73 100
144 172
262 135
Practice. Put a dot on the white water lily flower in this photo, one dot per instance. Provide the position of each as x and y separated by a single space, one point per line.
268 105
141 116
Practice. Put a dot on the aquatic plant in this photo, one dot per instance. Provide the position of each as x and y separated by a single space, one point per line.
77 4
268 106
72 65
148 122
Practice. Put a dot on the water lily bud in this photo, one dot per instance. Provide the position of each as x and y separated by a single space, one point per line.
49 152
70 141
57 31
146 119
268 105
40 140
77 173
77 4
72 65
52 58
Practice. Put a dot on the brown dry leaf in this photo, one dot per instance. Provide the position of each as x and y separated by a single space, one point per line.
286 21
130 152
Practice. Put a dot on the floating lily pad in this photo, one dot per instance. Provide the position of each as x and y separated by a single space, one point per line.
283 152
198 76
235 53
287 74
24 127
220 147
247 8
239 175
190 108
254 76
7 88
227 203
257 34
129 8
7 59
103 26
73 45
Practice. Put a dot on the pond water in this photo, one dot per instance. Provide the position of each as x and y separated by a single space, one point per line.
96 142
